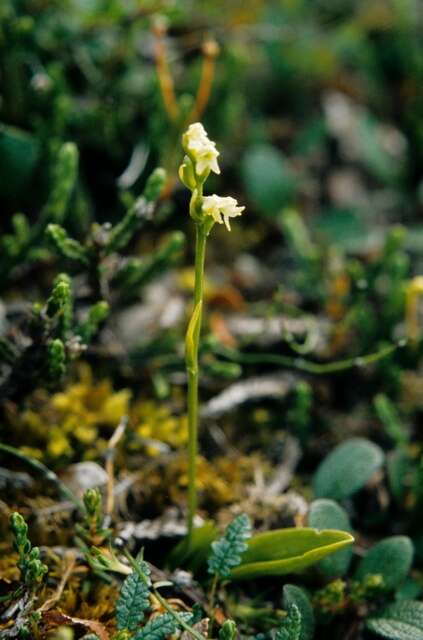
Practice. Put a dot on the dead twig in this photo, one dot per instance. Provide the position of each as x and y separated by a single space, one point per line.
70 562
110 463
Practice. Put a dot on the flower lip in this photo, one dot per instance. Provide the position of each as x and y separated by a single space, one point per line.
221 208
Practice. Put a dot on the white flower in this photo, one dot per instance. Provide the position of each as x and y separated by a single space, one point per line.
200 149
221 208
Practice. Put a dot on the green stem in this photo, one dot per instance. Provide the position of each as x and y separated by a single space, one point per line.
195 634
192 371
306 365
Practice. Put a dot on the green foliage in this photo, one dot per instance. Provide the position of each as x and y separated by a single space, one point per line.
391 558
267 178
56 357
29 564
327 514
97 257
25 244
390 419
228 630
65 246
160 627
137 214
399 621
299 414
298 235
65 172
227 551
283 551
53 340
405 476
290 627
134 598
92 531
60 304
135 273
96 315
20 152
347 469
295 596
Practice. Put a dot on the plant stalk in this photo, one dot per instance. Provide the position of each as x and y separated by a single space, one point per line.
193 375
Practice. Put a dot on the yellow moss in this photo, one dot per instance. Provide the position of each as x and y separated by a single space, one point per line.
153 421
9 572
101 604
86 435
76 423
58 444
68 424
221 481
116 406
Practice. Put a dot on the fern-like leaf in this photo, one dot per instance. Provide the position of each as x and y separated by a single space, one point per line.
161 627
134 599
290 628
226 552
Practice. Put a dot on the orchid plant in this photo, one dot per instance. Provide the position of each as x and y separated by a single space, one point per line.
201 158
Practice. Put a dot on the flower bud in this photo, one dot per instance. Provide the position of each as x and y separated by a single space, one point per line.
187 174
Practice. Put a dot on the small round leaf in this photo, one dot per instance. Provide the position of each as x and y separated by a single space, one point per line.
327 514
391 558
295 595
347 469
399 621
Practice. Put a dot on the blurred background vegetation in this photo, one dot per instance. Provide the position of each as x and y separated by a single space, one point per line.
316 104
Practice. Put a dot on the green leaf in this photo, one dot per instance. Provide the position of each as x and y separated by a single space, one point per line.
388 415
290 627
19 153
399 621
66 246
155 184
390 558
64 180
293 595
400 468
228 630
276 553
161 627
134 599
96 315
327 514
267 178
297 234
347 469
226 552
56 359
190 339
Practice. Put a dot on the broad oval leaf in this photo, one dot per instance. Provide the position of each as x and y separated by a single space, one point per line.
295 595
391 558
399 621
327 514
267 178
19 152
347 469
276 553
